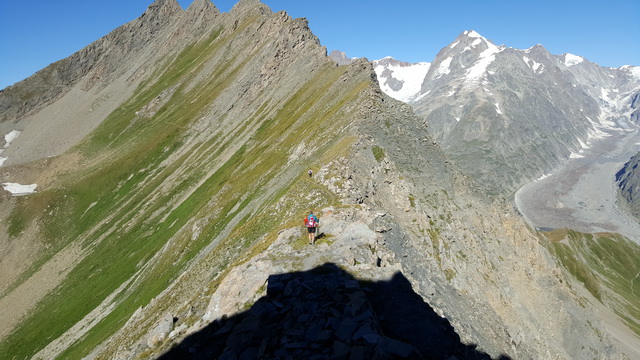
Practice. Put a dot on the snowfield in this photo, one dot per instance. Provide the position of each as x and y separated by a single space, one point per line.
18 189
411 77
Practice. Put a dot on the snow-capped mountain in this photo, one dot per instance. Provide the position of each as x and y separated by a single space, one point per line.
500 103
400 80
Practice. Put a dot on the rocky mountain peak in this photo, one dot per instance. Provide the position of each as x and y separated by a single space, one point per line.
243 6
471 40
538 51
468 59
340 57
162 8
200 6
389 61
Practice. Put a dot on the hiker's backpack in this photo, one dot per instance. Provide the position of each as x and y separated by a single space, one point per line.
311 221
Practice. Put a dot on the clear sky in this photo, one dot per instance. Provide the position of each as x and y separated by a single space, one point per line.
36 33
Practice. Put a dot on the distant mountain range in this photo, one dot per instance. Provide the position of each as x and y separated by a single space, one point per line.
488 106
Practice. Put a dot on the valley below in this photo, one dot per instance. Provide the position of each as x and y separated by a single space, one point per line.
581 193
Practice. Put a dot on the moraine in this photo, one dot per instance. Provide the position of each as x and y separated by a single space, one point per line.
581 193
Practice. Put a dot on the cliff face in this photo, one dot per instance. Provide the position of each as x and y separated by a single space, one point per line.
628 186
179 206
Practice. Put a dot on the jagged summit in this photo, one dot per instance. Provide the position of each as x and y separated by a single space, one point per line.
199 6
340 57
248 5
470 36
388 60
163 8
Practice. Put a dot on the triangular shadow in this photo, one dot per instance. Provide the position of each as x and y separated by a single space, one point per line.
325 313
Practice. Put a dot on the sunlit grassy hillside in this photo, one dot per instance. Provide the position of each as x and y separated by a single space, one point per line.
199 175
607 264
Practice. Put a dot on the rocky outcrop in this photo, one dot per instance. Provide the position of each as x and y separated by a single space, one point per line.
319 314
340 57
628 180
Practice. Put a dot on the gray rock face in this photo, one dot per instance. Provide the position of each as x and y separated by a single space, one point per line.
628 179
340 57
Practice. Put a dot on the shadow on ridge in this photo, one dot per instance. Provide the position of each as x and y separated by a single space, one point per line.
325 313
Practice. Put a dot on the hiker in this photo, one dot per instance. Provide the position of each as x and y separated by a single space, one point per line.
311 222
310 172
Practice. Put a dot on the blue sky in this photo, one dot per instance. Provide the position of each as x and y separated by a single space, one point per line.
36 33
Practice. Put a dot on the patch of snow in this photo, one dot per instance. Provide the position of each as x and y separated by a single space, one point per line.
454 44
2 160
8 138
633 70
475 73
475 43
542 177
570 59
498 108
472 33
451 93
533 65
575 156
421 96
610 108
443 69
19 190
457 119
411 76
582 144
596 134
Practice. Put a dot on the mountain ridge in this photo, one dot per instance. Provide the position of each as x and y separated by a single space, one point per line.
491 86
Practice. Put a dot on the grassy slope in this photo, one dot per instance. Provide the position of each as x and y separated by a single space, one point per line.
211 184
607 264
